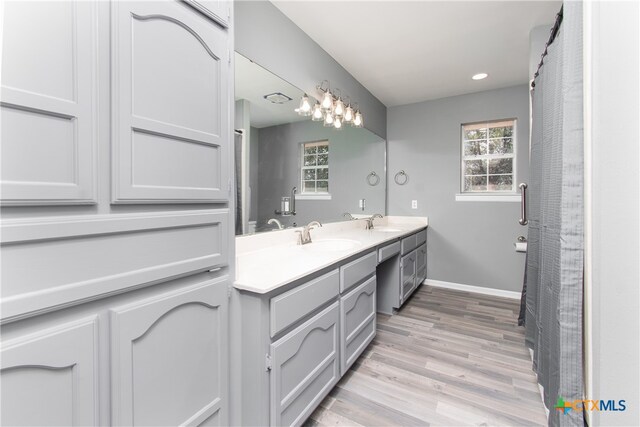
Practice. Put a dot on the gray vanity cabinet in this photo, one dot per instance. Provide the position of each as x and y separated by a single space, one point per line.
357 322
169 358
305 366
402 268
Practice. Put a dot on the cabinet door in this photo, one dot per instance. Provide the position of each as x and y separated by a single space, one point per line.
169 363
357 322
171 105
50 378
407 275
421 264
304 367
48 103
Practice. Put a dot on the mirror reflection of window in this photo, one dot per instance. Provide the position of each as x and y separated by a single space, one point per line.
315 167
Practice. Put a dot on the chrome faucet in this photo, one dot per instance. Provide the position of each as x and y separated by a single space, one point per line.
305 236
369 221
348 216
276 222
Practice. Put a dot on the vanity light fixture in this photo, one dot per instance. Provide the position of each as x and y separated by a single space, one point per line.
305 106
480 76
316 113
327 100
357 120
348 114
332 109
328 119
338 108
337 123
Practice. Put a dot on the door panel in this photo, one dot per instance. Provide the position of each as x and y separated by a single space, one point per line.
50 378
357 322
171 105
169 363
48 103
305 367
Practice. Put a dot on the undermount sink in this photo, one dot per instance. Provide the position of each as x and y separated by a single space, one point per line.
387 229
331 245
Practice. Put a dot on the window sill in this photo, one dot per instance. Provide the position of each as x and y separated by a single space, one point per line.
325 196
487 197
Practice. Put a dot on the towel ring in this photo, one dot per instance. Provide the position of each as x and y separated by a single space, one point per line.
398 178
373 179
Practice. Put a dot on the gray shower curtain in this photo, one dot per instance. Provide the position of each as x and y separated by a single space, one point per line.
555 243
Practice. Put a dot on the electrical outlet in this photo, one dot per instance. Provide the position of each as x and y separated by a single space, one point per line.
414 204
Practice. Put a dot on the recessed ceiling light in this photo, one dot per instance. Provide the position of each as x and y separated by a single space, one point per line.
480 76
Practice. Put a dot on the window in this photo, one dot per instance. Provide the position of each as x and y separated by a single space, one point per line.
488 157
315 168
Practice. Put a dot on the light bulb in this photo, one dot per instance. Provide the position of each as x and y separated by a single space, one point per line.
316 114
337 123
305 107
357 120
328 119
327 100
339 108
348 114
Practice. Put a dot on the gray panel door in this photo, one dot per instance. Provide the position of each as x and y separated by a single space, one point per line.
171 105
305 367
357 322
407 275
50 378
169 358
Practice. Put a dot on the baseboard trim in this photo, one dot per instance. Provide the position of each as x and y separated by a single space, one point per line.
474 289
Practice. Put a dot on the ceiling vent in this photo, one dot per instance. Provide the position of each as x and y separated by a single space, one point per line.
277 98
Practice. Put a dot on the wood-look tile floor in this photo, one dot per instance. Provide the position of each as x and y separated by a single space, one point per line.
448 358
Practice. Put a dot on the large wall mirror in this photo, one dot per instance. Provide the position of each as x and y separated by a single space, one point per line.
286 162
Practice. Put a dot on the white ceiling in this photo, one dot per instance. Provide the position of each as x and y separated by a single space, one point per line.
252 82
412 51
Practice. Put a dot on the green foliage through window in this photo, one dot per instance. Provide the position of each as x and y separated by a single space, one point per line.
488 156
315 167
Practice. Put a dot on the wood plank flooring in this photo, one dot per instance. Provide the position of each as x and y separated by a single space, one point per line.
448 358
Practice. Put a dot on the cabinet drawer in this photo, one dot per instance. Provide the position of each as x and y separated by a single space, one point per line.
409 244
353 273
388 251
357 322
304 367
421 256
421 237
293 305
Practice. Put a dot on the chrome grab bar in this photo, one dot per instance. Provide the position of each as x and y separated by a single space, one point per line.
523 204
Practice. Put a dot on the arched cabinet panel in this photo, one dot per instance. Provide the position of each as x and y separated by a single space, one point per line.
170 105
50 378
305 367
169 363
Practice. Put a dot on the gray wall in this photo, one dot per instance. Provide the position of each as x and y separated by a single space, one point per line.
266 36
353 154
613 65
469 242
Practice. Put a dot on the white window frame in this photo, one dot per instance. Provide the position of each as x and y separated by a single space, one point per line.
302 195
489 195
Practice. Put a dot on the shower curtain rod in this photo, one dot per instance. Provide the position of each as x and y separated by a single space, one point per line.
552 37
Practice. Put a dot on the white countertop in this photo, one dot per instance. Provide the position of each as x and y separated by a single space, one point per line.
267 261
